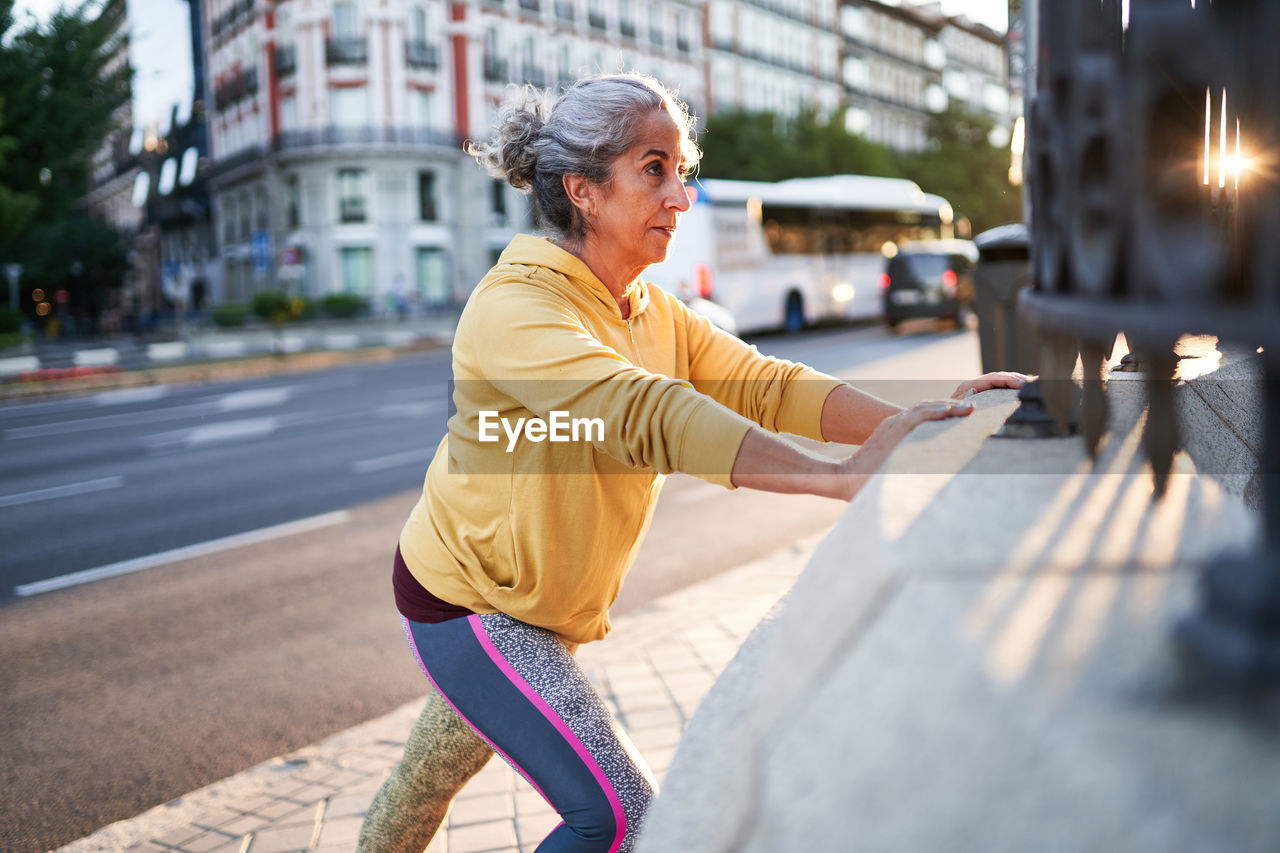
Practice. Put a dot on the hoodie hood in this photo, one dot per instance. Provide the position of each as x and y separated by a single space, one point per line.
528 250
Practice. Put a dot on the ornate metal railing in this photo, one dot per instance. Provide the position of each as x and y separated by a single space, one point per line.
1153 174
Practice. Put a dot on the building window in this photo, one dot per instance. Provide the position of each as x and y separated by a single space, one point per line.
346 21
293 202
357 270
352 192
427 211
499 202
418 25
433 277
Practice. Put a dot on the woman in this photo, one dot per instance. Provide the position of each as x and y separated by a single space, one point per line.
520 542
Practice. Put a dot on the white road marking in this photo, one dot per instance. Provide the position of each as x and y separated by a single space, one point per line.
84 488
394 460
175 555
410 410
255 398
216 433
141 394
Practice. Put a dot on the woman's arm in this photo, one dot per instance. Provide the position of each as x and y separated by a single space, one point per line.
770 464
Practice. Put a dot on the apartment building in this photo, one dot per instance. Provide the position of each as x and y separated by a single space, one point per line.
337 130
780 56
892 72
977 73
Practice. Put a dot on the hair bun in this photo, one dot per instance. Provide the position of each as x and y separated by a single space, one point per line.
512 153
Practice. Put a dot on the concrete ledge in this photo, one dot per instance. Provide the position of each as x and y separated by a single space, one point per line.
978 658
18 364
96 357
168 351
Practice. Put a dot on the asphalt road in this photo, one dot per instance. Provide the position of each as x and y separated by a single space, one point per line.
122 693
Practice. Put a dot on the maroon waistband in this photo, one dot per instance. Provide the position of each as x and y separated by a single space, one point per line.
415 602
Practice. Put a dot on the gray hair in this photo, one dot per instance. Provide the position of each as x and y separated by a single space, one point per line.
540 139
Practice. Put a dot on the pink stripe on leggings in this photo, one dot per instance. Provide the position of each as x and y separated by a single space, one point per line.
552 717
413 645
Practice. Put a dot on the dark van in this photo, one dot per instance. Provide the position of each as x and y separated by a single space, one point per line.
931 279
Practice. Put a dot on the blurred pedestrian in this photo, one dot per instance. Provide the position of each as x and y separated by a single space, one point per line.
520 542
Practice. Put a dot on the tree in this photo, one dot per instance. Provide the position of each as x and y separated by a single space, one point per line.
964 168
60 99
765 147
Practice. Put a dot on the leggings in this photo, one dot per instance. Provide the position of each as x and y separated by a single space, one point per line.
520 690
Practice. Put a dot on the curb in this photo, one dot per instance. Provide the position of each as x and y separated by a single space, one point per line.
59 381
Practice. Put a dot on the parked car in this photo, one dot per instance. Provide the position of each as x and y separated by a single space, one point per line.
929 278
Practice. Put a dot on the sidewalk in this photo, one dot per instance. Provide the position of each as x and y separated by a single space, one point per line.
653 670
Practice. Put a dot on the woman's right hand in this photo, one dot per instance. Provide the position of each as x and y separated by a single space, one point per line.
859 467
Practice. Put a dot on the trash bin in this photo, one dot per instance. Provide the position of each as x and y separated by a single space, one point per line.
1004 268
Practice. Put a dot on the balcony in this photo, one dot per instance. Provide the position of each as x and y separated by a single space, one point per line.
345 51
235 89
495 69
365 136
286 60
565 10
419 54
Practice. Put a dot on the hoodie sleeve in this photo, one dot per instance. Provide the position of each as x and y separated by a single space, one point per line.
534 349
779 395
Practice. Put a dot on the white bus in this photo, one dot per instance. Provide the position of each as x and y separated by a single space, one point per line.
796 252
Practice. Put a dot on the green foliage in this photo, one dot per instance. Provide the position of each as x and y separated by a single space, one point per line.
10 320
964 168
343 306
59 103
959 164
276 306
764 147
230 315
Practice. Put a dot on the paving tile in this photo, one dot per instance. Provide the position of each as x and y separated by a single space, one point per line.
280 810
480 809
495 778
178 837
653 718
339 831
242 825
532 830
215 817
349 805
529 802
282 839
147 847
208 842
482 837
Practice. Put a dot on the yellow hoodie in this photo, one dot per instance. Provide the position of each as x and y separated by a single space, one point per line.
545 530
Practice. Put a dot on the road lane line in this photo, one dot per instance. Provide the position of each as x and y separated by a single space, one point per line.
213 546
394 460
84 488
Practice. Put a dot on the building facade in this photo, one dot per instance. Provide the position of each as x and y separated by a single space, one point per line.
780 56
338 127
892 72
977 73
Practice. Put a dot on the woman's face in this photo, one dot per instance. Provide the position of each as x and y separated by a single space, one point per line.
637 211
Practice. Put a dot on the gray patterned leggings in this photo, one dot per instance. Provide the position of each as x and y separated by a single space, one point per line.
521 691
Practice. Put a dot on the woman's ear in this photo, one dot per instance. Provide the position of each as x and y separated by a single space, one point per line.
581 193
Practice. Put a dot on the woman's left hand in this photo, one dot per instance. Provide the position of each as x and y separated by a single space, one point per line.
1002 379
